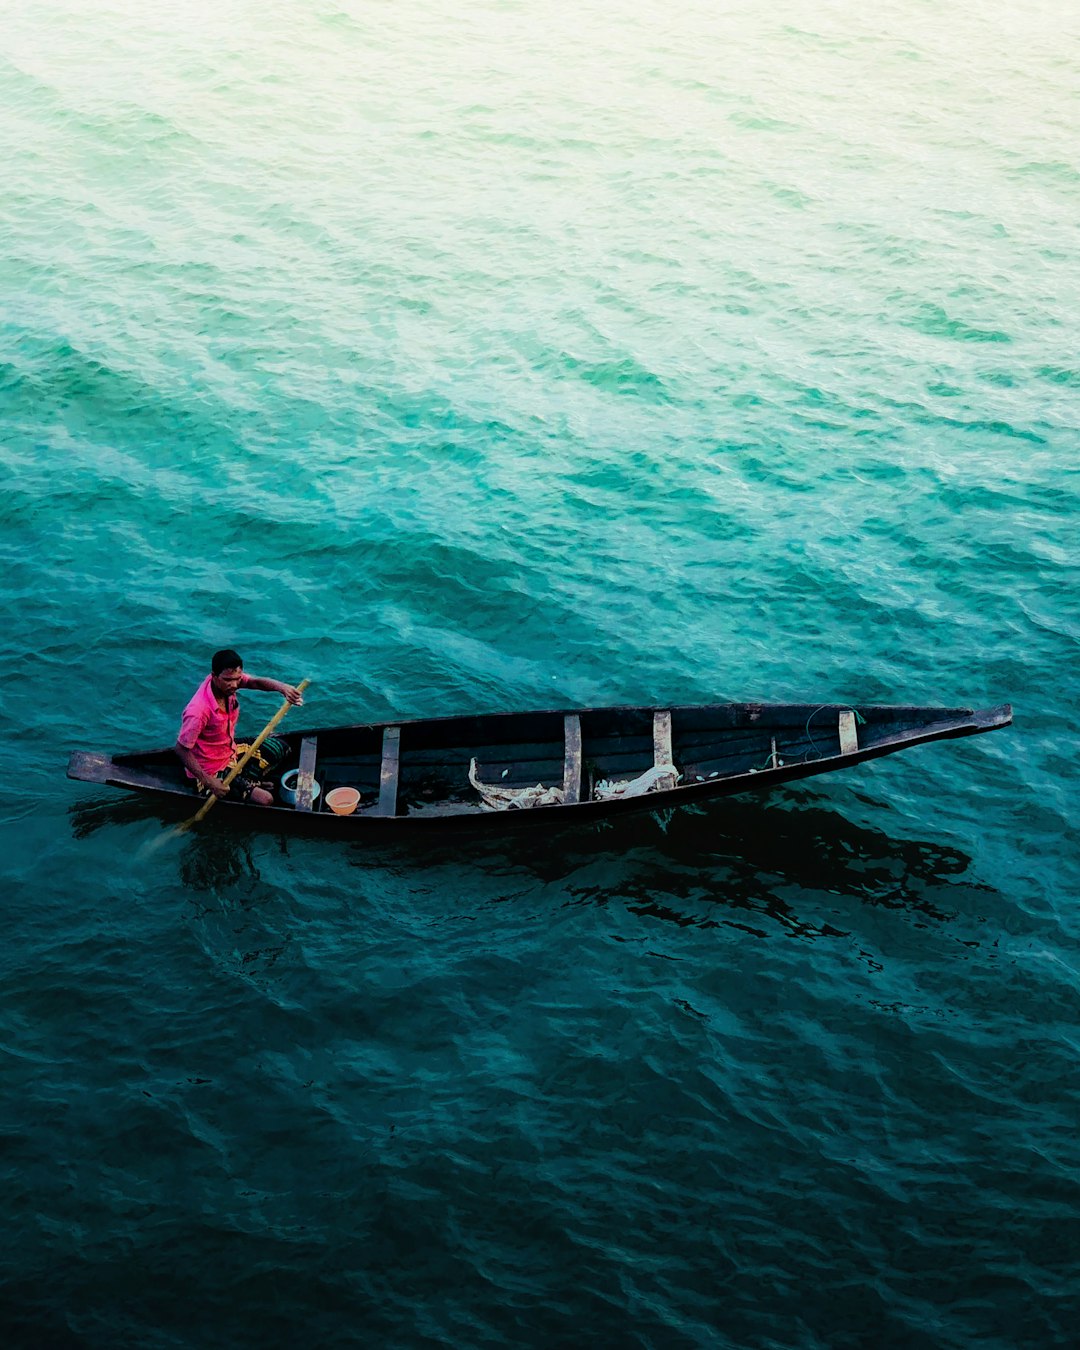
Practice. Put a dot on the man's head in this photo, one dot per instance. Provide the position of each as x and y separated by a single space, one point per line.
226 668
226 659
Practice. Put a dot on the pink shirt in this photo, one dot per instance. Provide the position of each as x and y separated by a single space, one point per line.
207 730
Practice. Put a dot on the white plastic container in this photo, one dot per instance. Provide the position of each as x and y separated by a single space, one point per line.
287 790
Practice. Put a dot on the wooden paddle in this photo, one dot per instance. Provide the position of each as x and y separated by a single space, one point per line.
239 765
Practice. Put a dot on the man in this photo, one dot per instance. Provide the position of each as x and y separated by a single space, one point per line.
206 744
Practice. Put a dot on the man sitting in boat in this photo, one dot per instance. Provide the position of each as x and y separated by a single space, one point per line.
206 744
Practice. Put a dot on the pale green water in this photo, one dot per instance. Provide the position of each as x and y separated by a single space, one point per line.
506 356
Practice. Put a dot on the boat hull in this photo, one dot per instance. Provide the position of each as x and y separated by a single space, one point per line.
414 776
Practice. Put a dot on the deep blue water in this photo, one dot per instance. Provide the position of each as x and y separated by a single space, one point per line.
511 356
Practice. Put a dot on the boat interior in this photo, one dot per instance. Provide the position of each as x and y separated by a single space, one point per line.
422 768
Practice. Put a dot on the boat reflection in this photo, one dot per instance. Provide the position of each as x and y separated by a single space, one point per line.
207 859
219 862
97 813
740 862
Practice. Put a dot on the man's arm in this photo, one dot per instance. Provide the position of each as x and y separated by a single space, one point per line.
288 691
187 758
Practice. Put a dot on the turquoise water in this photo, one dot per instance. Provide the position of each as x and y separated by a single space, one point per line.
500 356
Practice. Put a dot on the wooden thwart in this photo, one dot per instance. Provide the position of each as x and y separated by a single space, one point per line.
849 738
305 779
661 738
571 758
388 778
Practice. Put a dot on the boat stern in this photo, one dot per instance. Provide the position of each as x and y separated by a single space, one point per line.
88 767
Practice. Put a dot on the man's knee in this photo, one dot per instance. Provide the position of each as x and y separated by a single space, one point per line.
261 797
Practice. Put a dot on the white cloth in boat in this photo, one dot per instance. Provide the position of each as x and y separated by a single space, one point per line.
513 799
660 778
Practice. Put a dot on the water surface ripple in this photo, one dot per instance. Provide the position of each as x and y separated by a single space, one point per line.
511 357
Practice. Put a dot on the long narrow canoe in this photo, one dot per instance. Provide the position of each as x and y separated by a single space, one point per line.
502 770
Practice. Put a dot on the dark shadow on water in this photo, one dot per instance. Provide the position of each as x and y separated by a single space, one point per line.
207 859
98 813
739 861
216 862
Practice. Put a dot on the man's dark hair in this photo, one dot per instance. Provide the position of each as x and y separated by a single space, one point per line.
226 659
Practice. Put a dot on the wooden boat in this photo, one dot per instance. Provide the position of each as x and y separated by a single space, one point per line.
482 772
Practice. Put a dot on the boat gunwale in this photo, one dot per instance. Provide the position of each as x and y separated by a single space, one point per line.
969 722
